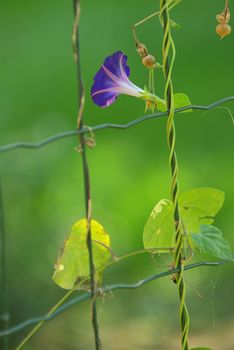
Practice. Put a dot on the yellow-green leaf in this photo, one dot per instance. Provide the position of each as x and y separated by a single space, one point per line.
73 262
174 24
159 228
182 100
199 206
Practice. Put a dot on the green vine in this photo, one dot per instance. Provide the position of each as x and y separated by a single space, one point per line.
169 49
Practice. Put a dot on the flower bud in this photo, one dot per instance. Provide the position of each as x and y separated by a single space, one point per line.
148 61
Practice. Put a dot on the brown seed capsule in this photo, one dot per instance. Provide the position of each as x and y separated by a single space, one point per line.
221 18
224 17
149 61
227 15
142 50
223 29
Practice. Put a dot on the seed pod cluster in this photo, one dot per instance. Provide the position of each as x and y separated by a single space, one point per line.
223 28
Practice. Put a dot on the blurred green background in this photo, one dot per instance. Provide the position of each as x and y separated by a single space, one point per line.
43 189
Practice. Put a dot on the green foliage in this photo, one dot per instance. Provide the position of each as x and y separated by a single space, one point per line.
180 100
159 228
197 207
174 24
73 262
210 241
161 106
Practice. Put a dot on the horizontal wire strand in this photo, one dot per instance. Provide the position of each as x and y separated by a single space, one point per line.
90 129
18 327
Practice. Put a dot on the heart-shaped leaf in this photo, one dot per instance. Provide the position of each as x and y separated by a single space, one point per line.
159 228
182 100
210 241
73 263
199 206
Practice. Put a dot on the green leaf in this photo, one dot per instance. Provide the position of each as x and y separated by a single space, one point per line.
174 24
161 105
210 241
199 206
182 100
73 262
159 228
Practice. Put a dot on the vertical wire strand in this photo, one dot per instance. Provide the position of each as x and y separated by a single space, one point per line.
86 175
168 60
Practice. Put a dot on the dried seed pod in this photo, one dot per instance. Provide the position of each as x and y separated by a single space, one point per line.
227 15
223 29
221 18
149 61
224 17
142 50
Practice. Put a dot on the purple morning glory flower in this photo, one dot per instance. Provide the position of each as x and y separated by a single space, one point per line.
112 80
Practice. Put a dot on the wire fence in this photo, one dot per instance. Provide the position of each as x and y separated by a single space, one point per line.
104 290
81 131
99 127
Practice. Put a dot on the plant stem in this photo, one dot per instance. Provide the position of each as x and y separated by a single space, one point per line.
226 5
168 45
54 308
87 189
171 4
40 323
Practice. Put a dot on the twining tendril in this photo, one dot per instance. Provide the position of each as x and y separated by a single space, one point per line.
168 60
